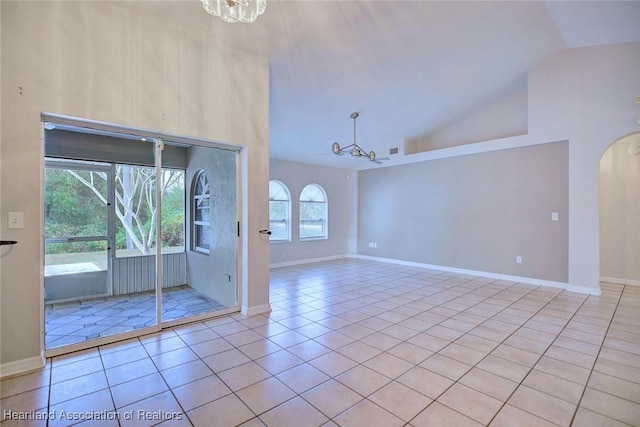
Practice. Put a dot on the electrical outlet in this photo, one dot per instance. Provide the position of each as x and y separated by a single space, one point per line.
554 216
518 259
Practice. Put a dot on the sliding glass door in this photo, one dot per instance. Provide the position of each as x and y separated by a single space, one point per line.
140 233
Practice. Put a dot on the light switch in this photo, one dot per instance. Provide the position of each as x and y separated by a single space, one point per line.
554 216
16 220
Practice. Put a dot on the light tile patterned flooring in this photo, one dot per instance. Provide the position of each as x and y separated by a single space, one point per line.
79 321
360 343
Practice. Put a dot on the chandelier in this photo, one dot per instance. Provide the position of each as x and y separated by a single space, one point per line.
233 11
354 150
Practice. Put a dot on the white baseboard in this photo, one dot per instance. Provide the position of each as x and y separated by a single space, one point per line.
307 261
527 280
256 309
618 281
21 366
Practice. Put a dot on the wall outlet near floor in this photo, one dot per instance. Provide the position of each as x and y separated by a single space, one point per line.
518 259
554 216
373 245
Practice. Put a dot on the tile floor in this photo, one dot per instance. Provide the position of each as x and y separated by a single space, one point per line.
360 343
79 321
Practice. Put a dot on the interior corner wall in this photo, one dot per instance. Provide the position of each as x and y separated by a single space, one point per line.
586 96
113 62
214 274
619 213
337 183
475 212
503 118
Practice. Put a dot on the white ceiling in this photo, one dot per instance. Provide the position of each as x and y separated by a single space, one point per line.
408 67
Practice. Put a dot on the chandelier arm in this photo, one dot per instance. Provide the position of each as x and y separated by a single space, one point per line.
354 150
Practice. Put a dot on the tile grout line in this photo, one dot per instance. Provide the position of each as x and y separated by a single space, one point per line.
357 340
469 291
488 354
479 302
401 289
521 383
104 370
586 384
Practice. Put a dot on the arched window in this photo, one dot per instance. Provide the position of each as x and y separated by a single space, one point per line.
279 212
201 213
313 212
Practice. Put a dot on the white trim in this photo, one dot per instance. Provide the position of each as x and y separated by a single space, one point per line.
527 280
487 146
241 251
618 281
100 341
109 128
308 261
256 309
22 366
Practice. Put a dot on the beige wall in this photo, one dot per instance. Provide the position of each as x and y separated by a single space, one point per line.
475 212
620 212
111 62
338 184
584 96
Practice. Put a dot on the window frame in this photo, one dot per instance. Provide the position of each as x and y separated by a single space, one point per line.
200 224
324 220
287 220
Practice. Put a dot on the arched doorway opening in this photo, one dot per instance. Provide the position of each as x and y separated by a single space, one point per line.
619 212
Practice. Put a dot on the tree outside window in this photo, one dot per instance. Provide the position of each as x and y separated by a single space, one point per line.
279 212
313 212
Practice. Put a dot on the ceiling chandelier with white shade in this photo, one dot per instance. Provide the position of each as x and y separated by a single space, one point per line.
354 150
233 11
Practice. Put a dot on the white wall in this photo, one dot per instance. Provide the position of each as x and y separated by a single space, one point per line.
338 184
620 212
110 61
584 96
503 118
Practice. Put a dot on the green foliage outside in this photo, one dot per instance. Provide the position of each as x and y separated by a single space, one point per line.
311 219
75 206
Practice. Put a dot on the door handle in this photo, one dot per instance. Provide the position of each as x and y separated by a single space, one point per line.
268 232
7 242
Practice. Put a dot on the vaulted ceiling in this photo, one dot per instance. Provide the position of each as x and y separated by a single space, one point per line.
408 67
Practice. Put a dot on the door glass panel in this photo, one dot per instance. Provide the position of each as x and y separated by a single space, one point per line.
76 237
77 265
205 280
135 209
